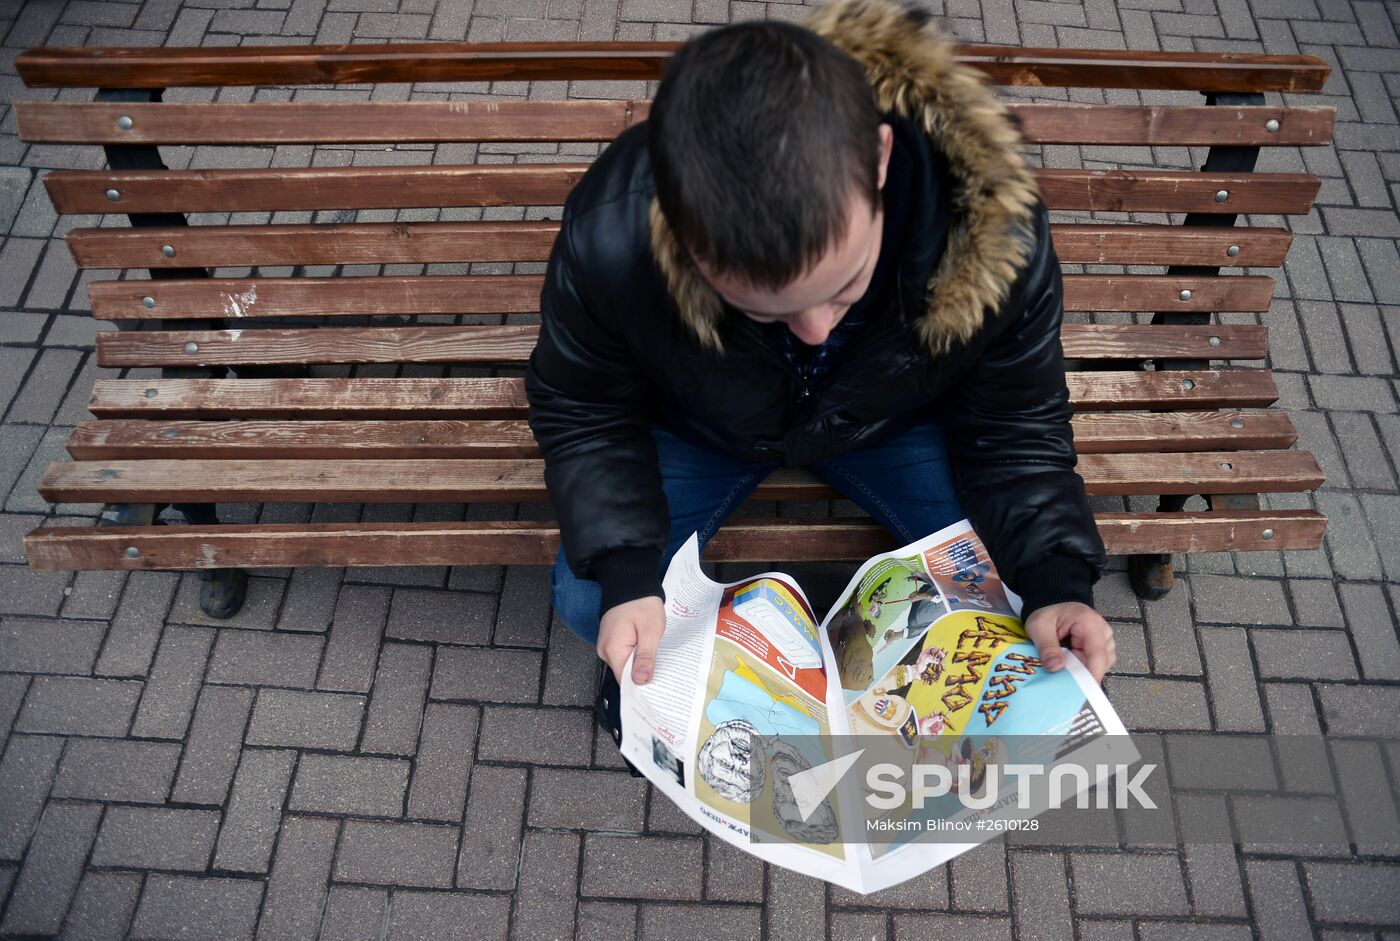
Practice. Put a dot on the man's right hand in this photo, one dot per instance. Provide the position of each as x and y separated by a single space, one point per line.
633 624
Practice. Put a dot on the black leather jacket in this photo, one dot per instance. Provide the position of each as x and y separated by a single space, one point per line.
617 353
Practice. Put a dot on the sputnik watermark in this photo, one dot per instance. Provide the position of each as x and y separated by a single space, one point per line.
886 788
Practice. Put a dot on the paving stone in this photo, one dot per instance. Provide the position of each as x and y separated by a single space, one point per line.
354 914
642 867
1239 600
491 834
26 771
1280 913
110 770
254 810
94 595
1041 896
212 745
588 800
538 736
13 688
309 604
396 705
24 591
76 705
176 906
796 906
663 816
173 687
731 875
1212 869
1171 632
258 611
439 787
48 646
156 838
1360 710
102 907
423 916
336 784
1315 601
1300 654
486 674
929 890
1367 795
910 926
52 869
1128 884
1234 691
1355 893
266 658
296 890
353 649
606 921
978 878
1372 628
407 854
441 617
523 617
1148 703
544 903
135 631
295 719
1382 511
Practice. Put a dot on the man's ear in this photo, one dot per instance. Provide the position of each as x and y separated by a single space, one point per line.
886 148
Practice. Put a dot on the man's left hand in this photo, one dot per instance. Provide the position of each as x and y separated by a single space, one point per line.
1088 634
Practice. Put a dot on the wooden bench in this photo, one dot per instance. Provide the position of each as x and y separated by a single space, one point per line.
257 372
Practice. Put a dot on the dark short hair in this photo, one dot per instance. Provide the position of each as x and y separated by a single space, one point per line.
757 135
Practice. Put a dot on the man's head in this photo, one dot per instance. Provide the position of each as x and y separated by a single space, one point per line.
769 158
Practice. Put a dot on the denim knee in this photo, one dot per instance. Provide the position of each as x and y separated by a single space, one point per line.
577 601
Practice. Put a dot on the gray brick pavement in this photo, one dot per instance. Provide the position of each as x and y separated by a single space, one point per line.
399 753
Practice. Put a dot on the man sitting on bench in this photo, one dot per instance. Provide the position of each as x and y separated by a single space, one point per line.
823 249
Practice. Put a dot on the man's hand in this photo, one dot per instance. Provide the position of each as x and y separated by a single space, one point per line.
638 623
1090 636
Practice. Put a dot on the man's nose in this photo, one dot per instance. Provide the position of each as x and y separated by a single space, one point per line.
814 326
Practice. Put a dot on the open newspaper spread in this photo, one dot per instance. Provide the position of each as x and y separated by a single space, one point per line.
755 713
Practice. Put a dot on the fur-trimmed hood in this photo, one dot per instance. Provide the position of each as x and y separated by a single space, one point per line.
913 72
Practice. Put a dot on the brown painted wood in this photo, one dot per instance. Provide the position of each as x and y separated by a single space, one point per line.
358 122
443 480
1177 191
437 186
396 122
441 242
535 542
135 439
566 61
513 344
458 397
519 294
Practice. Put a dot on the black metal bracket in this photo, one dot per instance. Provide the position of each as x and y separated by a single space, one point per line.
223 590
1151 574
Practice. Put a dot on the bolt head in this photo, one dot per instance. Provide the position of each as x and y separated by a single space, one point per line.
1271 125
148 302
124 122
1188 384
1185 295
191 347
168 251
132 552
1226 465
114 195
1237 423
169 433
1222 195
1267 534
151 393
1232 251
1214 341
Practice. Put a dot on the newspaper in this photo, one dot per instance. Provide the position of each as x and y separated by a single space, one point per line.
755 712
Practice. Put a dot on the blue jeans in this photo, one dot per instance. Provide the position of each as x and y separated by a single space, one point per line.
903 483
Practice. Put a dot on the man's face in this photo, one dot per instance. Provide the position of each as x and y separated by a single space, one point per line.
813 304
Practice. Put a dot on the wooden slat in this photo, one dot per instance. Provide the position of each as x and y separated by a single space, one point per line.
439 122
437 186
505 397
136 439
565 61
535 542
513 344
439 242
439 480
513 294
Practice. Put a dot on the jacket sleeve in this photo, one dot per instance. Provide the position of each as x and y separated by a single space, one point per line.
1012 447
590 414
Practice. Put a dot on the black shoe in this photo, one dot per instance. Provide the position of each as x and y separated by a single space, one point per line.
607 709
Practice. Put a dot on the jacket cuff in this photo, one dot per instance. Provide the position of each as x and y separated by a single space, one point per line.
1055 579
628 574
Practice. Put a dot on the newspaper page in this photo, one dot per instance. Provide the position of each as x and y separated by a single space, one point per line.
810 745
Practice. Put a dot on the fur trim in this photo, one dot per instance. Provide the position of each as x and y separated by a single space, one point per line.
913 72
